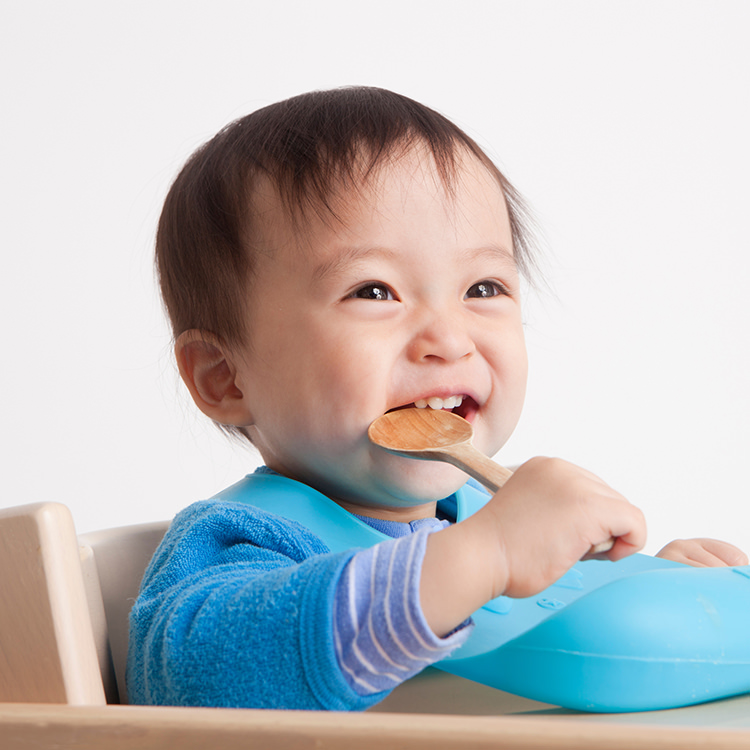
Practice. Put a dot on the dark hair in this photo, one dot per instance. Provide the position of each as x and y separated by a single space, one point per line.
307 145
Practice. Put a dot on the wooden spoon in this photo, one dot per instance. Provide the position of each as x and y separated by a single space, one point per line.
437 435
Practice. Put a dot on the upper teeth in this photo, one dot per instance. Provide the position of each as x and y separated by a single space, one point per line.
439 403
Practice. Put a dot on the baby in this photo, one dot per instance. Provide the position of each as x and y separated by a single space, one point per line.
323 261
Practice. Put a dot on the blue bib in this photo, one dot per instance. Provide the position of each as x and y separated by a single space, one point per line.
639 634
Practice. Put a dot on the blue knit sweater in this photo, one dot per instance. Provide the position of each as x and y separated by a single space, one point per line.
235 609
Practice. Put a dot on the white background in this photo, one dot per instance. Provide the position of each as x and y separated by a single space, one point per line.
626 125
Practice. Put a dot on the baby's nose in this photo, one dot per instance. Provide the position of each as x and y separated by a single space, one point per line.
440 338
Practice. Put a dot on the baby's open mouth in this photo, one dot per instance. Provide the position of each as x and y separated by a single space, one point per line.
461 404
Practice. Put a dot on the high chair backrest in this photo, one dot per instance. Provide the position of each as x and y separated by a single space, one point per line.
64 605
120 557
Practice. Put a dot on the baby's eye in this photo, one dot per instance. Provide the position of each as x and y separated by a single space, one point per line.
373 291
486 289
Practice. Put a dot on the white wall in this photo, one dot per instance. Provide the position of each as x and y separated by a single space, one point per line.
625 123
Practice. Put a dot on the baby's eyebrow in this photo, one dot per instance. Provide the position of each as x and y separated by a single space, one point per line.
491 252
350 257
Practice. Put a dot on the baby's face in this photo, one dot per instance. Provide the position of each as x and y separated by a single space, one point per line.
412 297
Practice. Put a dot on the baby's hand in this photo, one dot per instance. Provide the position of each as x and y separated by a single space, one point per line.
549 515
703 553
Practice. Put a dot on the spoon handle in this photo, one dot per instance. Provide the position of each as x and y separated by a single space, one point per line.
467 458
493 476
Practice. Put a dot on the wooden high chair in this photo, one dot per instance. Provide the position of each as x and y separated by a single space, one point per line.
64 603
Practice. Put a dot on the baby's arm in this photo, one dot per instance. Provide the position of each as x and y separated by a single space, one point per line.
235 610
703 553
380 633
545 519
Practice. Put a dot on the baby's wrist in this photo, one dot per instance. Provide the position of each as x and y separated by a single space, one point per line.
455 580
487 544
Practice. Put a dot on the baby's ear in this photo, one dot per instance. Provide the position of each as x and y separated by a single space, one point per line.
206 366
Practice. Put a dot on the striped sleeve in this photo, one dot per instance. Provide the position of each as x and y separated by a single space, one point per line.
380 634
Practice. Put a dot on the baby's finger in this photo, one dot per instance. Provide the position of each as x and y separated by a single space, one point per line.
629 538
623 548
703 553
726 553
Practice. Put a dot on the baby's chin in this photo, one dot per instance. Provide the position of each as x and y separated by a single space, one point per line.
415 482
389 482
399 499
